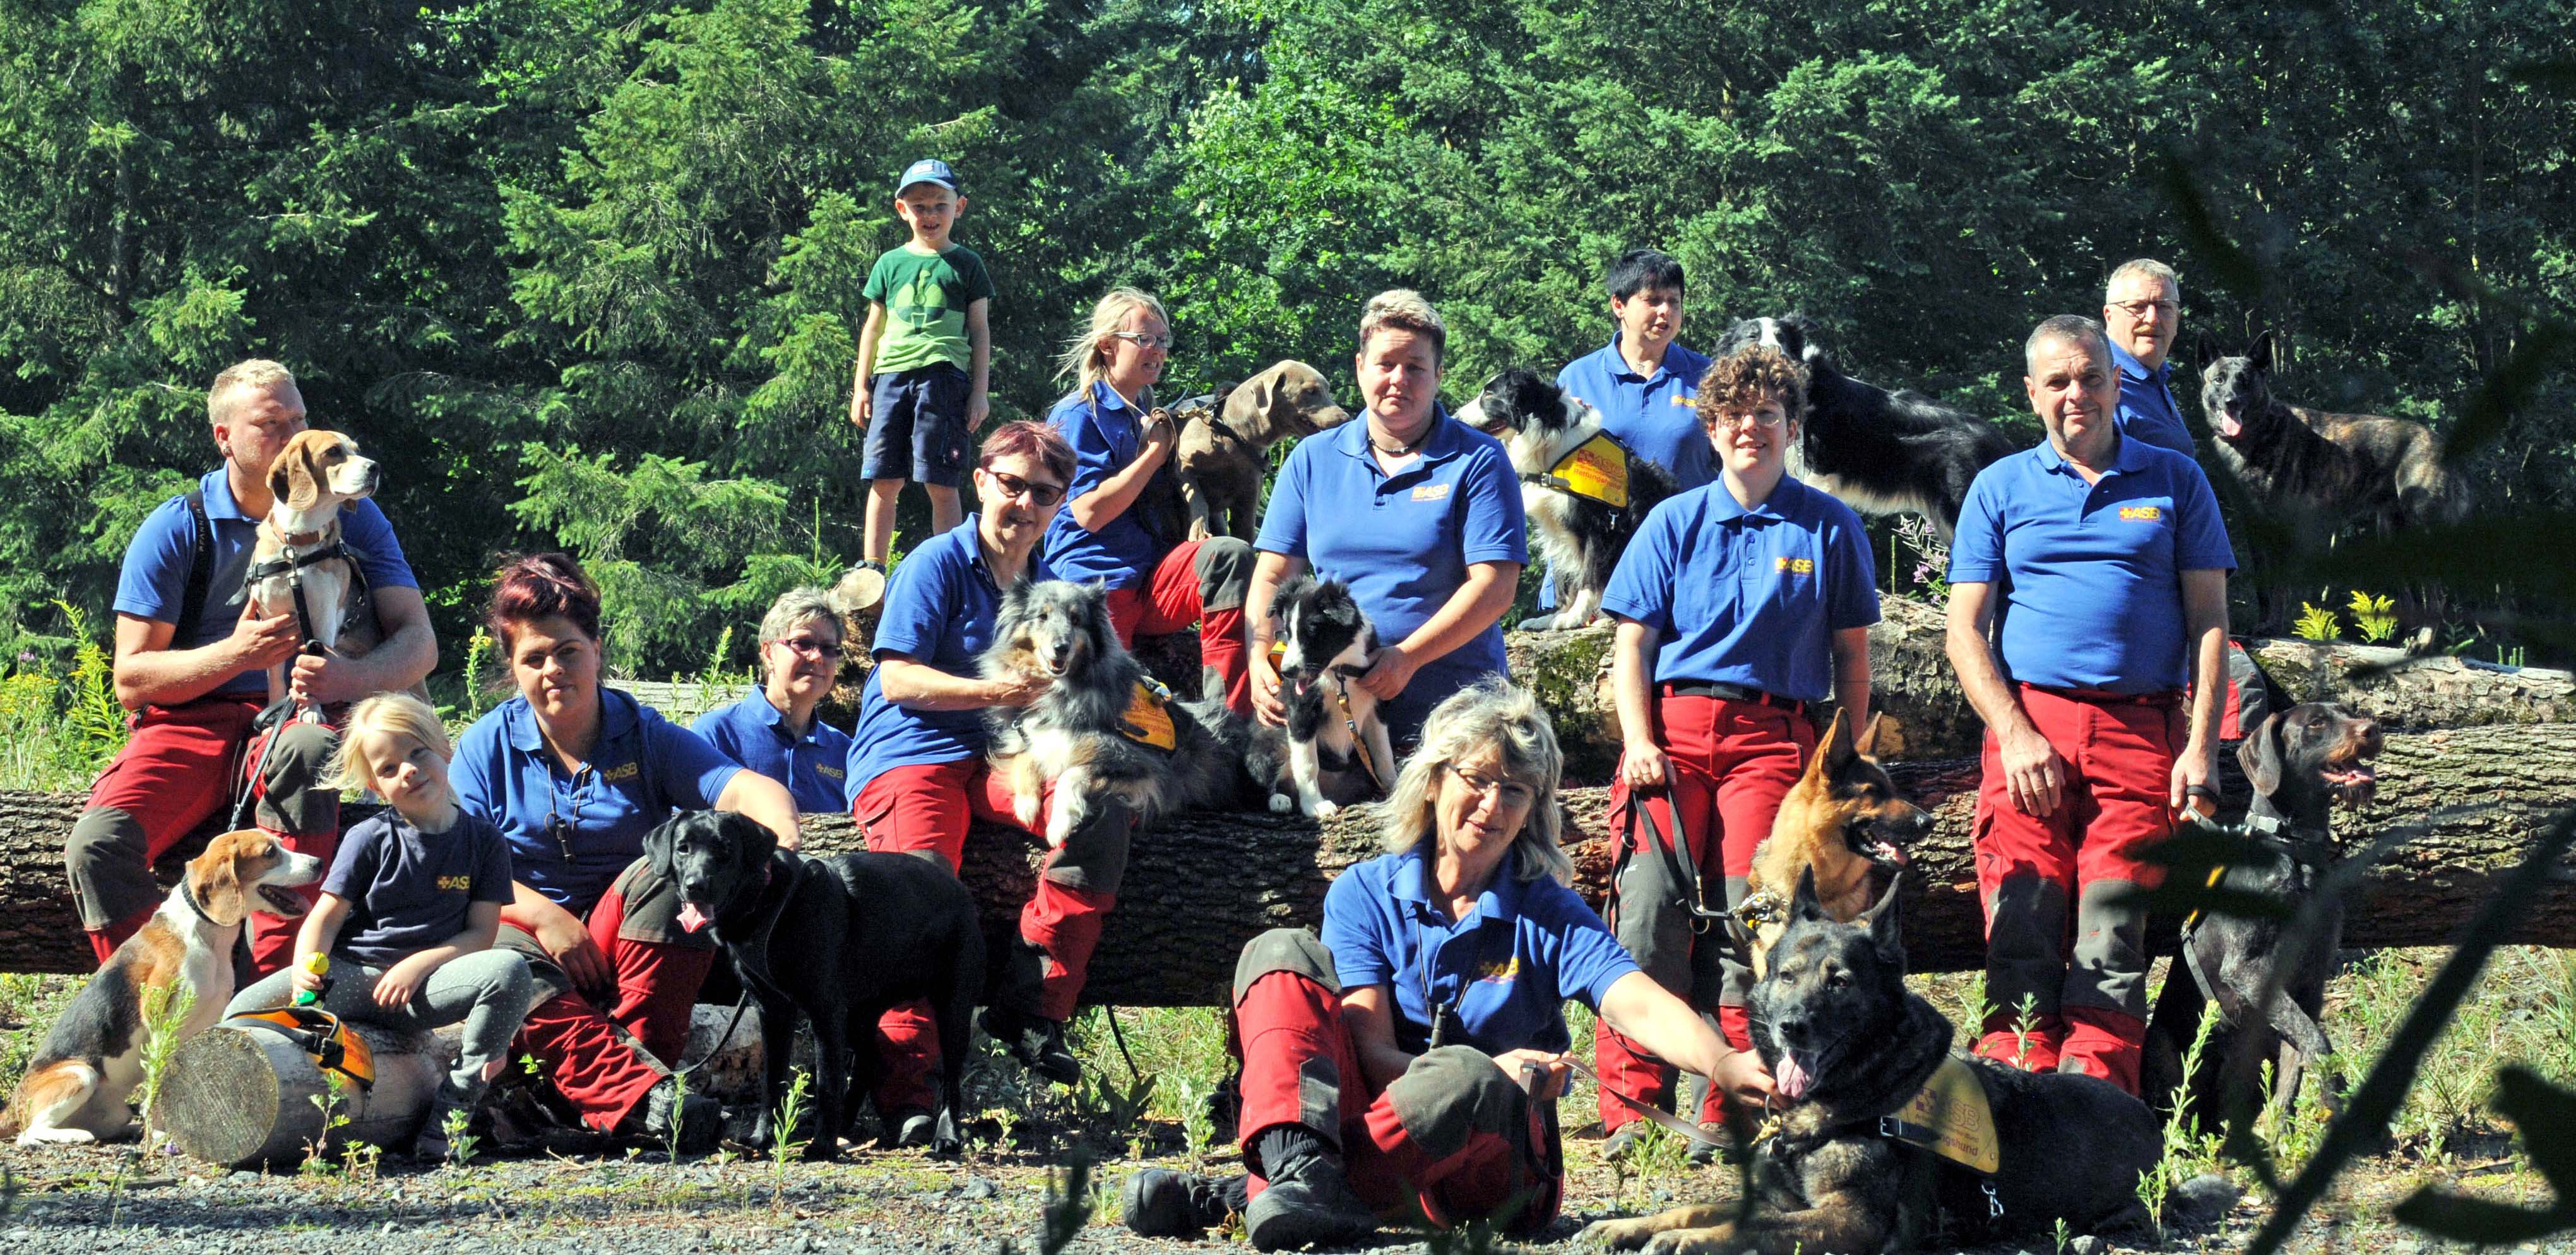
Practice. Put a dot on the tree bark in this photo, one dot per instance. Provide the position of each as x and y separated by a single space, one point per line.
1201 885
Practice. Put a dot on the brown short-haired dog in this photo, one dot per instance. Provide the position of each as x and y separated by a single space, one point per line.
1223 444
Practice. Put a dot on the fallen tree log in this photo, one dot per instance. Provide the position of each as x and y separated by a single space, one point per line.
1202 884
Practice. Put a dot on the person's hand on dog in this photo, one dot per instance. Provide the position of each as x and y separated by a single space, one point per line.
263 643
1643 765
2034 776
2195 783
1553 1075
568 943
1389 673
1741 1076
324 678
1266 705
1018 690
395 989
1154 443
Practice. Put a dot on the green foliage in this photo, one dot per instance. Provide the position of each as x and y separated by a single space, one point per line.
2375 616
2544 1112
786 1122
2317 623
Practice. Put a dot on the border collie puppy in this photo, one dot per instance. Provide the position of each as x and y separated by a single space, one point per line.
1583 491
1325 645
1881 452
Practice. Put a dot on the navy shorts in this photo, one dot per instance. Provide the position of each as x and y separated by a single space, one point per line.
917 426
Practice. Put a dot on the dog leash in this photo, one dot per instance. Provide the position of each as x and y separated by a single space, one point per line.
743 999
1359 744
1648 1110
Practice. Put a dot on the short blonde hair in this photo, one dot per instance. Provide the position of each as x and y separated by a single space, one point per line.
1509 718
258 372
384 712
1085 357
1403 309
794 609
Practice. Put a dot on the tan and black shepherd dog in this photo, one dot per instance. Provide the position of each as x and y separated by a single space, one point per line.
1841 822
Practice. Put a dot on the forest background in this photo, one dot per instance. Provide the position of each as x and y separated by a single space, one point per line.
588 274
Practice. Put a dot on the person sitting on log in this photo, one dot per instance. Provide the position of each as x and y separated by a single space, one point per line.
773 729
919 777
1110 528
192 663
1393 1050
1739 603
574 774
1417 512
409 911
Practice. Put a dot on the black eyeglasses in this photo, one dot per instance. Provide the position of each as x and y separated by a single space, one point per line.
812 648
1043 496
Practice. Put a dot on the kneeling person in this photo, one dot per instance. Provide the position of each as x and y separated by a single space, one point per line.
409 912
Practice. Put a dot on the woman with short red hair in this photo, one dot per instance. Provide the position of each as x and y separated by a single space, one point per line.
574 774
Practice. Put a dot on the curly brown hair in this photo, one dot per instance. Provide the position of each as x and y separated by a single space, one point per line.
1741 381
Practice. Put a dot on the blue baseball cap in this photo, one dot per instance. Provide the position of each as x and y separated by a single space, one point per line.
927 170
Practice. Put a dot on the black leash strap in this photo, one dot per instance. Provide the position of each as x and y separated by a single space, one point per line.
743 999
1685 876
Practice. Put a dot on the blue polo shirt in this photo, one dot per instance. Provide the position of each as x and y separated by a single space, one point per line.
2092 572
407 890
814 767
570 836
1505 970
2147 407
1749 597
1403 542
1656 415
1105 432
154 581
938 609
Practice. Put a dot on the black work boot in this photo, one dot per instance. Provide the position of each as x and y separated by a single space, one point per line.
699 1118
1161 1203
1036 1041
1309 1203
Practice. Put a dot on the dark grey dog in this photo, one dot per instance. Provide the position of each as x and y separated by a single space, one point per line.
1848 1046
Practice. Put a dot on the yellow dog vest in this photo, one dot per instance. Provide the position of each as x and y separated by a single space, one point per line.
1950 1117
1147 721
1596 470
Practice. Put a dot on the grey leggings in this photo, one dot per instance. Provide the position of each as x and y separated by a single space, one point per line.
488 991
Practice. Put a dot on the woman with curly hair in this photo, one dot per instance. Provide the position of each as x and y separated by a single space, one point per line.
1739 605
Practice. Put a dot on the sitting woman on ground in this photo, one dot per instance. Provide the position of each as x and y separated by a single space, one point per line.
919 777
1382 1065
574 774
1158 584
409 911
772 730
1417 512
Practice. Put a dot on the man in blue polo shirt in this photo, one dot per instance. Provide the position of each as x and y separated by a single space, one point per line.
1644 381
2142 310
191 664
2104 559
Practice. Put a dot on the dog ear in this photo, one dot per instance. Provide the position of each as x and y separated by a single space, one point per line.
2260 756
291 479
1866 744
752 841
1884 918
2261 353
2203 352
1837 747
1804 904
220 892
657 846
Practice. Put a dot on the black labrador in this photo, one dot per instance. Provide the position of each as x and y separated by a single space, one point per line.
839 941
2301 763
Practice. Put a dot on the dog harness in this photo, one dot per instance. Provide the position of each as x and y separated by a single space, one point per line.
1595 470
1147 720
323 1036
292 567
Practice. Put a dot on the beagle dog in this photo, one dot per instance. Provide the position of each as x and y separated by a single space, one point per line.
77 1087
299 563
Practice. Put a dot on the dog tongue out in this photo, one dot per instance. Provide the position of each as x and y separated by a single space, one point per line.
1791 1080
691 918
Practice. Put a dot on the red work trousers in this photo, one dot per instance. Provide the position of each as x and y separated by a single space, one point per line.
2067 988
1173 599
927 808
1731 763
604 1060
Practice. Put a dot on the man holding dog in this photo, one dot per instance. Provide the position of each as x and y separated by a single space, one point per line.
2142 309
191 666
2103 561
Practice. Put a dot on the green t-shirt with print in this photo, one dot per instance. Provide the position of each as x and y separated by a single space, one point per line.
925 297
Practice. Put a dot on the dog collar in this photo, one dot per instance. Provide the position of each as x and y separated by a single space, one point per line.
189 896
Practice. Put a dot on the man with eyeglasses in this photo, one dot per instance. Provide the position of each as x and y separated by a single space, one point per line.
772 729
2142 310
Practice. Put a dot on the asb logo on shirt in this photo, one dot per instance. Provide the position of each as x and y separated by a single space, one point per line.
1431 492
834 772
2141 513
1794 566
622 771
1508 969
455 884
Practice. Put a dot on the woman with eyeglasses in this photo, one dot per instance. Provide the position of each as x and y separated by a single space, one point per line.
919 778
1739 604
574 774
1407 1062
1116 526
772 729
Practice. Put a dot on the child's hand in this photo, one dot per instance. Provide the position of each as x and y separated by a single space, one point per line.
978 408
394 989
306 982
860 403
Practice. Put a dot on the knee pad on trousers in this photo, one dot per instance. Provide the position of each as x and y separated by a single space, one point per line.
293 797
1094 856
2026 945
1652 925
1285 950
2110 960
108 857
1454 1093
1224 567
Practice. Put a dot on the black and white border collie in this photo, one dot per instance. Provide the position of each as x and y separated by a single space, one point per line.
1326 643
1579 538
1881 452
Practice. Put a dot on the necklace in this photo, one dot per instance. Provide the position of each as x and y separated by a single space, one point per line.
1402 449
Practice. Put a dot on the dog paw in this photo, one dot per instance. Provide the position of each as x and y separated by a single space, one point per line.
1692 1242
1281 803
1025 810
57 1137
1616 1235
1543 623
1324 809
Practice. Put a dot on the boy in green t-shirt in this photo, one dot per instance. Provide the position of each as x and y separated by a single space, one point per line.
925 359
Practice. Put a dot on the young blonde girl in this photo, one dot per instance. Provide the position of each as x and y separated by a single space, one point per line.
409 911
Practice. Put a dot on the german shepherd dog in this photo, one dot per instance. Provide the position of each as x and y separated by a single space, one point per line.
1842 822
2301 763
838 941
1580 537
1880 452
1327 643
2317 471
1079 734
1847 1045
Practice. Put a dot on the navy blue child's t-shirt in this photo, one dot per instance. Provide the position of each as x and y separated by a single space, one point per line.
407 890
